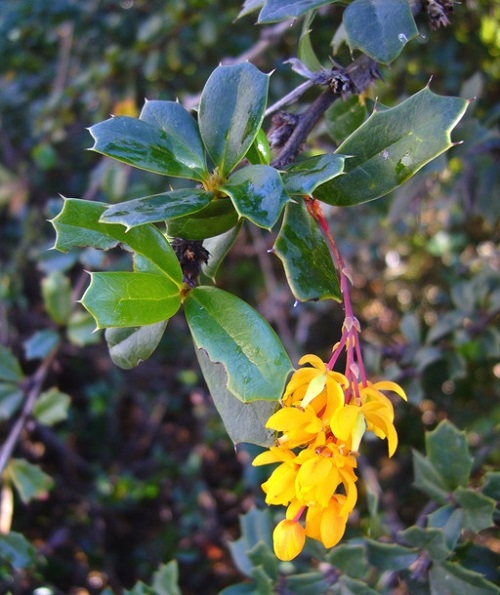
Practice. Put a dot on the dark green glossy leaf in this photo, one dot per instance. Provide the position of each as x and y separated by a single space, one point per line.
305 255
56 291
41 343
165 141
243 422
449 578
78 225
249 6
17 550
232 108
305 50
258 194
52 407
279 10
379 28
344 117
234 335
430 540
259 151
391 146
303 177
217 248
124 299
130 346
447 450
477 508
10 370
151 209
29 480
428 479
215 219
389 556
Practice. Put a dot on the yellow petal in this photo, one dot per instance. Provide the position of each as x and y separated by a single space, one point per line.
314 360
315 387
392 386
273 455
344 421
288 539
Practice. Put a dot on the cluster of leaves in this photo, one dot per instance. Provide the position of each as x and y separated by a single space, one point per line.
222 173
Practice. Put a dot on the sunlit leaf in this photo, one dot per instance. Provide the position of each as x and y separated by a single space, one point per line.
232 108
379 28
391 146
125 299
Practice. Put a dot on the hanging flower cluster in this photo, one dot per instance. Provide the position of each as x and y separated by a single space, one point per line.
323 418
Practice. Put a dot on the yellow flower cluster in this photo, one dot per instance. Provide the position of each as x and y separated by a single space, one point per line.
320 425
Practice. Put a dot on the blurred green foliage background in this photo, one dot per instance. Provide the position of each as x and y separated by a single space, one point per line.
143 470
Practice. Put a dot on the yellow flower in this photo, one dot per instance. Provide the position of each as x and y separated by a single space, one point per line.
299 426
289 537
375 413
327 524
318 386
280 487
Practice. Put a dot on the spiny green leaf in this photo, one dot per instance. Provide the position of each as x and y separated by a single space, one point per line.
305 255
258 194
259 151
379 28
389 556
428 479
449 578
244 422
391 146
232 107
430 540
350 559
236 336
125 299
164 141
256 527
303 177
477 508
350 586
218 247
447 450
279 10
130 346
158 207
344 117
215 219
78 225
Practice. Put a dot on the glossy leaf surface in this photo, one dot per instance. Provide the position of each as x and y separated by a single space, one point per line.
78 225
303 177
130 346
379 28
165 141
243 422
305 255
278 10
258 194
159 207
216 218
124 299
232 108
391 146
234 335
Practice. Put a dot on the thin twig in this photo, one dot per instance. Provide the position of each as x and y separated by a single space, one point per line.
35 382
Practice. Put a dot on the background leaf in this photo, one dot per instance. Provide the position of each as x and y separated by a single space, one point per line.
29 480
236 336
449 578
57 297
52 407
16 550
391 146
232 108
278 10
379 28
